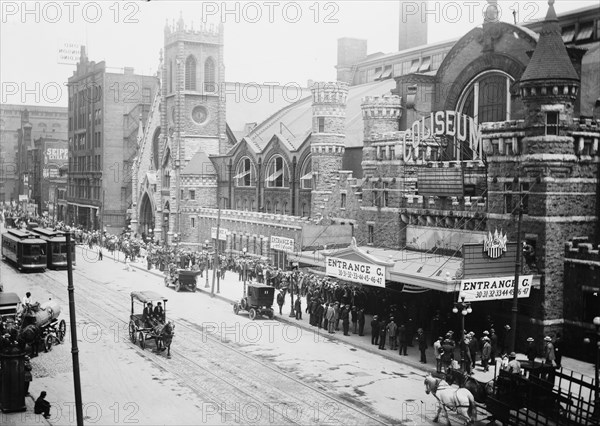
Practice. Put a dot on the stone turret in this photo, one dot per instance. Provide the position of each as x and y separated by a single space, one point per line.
550 82
328 138
381 115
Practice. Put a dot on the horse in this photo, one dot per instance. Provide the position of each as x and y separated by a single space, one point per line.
460 400
163 335
30 335
479 390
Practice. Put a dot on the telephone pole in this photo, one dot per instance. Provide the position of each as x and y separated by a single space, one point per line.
216 262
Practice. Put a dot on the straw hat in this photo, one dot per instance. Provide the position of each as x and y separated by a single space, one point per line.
486 332
512 355
530 339
547 339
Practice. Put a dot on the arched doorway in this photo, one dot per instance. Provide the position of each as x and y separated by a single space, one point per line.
146 221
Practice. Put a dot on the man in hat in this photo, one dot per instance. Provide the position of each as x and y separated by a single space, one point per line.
437 351
422 341
147 314
330 319
514 366
486 353
473 346
494 343
391 332
549 355
361 322
530 351
375 330
159 313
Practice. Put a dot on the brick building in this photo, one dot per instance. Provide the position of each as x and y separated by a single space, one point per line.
105 112
20 125
404 172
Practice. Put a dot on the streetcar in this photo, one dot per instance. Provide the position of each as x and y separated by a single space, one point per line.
25 249
56 247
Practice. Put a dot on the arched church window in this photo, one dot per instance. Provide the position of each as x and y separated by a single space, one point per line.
245 173
156 148
306 176
277 174
209 75
190 73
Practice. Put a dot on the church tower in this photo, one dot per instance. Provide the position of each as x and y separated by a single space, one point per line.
548 164
327 140
192 112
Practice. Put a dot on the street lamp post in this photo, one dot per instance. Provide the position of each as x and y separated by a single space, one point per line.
207 258
465 309
245 271
596 322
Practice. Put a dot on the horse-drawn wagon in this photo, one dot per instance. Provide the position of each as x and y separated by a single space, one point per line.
151 324
181 279
39 324
258 301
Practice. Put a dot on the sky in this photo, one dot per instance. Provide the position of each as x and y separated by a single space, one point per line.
265 41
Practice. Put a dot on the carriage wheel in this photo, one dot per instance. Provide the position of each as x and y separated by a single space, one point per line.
142 339
193 286
132 332
48 342
252 314
62 330
236 308
167 281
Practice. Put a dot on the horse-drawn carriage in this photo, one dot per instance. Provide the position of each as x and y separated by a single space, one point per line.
258 301
540 395
181 278
148 325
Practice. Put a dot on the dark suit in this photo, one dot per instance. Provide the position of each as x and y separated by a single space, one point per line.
159 313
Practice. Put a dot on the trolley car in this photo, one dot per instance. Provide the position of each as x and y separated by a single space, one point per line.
56 247
25 249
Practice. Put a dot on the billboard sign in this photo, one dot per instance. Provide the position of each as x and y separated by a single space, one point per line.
281 243
494 288
358 272
222 233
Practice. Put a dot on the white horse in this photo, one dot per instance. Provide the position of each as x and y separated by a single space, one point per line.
460 400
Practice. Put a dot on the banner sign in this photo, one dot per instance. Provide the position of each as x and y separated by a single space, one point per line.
222 233
358 272
23 197
281 243
69 53
496 288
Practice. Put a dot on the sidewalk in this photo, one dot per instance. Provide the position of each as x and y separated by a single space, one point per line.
231 291
25 417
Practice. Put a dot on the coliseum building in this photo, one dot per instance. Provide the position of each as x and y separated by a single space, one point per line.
404 172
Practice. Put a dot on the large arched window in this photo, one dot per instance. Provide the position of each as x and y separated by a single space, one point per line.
487 97
209 76
277 173
155 148
190 73
245 174
306 176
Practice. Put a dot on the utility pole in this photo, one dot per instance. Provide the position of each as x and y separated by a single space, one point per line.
73 323
216 262
515 301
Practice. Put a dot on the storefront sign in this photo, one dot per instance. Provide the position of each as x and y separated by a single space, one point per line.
496 288
443 123
222 233
281 243
358 272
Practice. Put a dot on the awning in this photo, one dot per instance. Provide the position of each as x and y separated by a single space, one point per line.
275 175
307 176
87 206
568 35
387 73
585 32
378 72
241 175
413 289
426 64
414 66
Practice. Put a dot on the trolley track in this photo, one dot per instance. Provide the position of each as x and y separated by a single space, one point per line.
218 359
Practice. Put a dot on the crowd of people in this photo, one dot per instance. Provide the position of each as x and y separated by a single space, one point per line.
329 302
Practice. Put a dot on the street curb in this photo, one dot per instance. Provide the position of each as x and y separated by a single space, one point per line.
374 350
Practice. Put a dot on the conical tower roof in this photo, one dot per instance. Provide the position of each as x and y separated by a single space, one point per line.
550 60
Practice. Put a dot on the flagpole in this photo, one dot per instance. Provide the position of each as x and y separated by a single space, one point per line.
515 302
